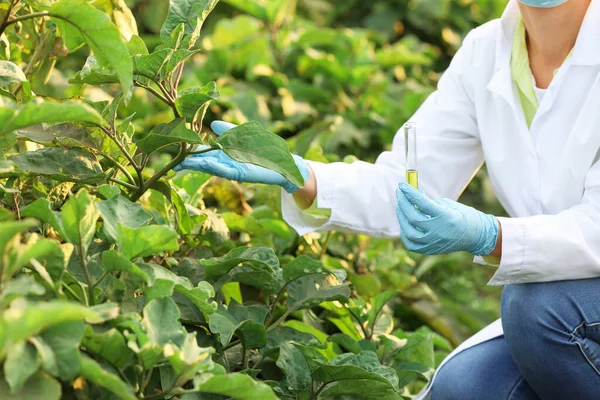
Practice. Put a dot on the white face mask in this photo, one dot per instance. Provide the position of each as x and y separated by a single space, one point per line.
543 3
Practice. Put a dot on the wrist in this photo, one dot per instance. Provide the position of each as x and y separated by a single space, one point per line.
304 171
490 236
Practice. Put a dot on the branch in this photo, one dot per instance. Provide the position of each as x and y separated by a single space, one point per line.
116 163
362 328
86 271
137 168
177 79
162 172
5 22
124 184
155 93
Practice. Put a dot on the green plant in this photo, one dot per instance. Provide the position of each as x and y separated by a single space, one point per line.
129 286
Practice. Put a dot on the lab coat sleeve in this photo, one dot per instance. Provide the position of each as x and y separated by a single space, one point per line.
362 196
545 248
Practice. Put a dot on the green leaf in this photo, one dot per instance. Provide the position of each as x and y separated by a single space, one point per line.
256 266
79 21
79 218
253 144
24 319
65 165
22 361
312 290
109 345
9 230
119 210
10 73
190 13
359 375
250 7
377 304
190 101
165 134
39 387
93 372
282 334
93 73
64 340
188 360
145 241
303 266
200 296
21 286
183 218
114 261
42 210
237 386
151 65
37 111
295 367
252 333
161 321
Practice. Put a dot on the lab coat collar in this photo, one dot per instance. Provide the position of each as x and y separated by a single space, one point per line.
587 46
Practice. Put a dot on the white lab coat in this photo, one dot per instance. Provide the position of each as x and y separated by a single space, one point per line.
547 176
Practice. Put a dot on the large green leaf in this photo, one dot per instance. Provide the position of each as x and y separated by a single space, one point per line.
165 134
64 340
119 210
20 286
247 323
145 241
93 372
94 74
312 290
190 13
42 210
294 365
114 261
237 386
39 387
253 144
37 111
10 73
79 218
78 21
107 344
161 321
191 101
8 230
282 334
303 266
377 304
22 361
24 319
256 266
71 165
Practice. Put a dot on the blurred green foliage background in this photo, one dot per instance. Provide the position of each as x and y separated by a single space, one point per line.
337 79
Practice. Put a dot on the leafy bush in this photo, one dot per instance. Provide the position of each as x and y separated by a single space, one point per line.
122 279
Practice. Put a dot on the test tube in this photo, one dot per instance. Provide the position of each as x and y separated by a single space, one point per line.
410 148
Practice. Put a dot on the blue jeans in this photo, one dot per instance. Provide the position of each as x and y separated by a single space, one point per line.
550 349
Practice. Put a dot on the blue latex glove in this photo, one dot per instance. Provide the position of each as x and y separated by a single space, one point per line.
443 226
220 164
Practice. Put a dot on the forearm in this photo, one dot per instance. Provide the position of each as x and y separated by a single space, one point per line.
497 252
306 196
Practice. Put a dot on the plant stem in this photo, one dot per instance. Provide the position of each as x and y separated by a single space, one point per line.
25 17
116 163
364 331
155 93
202 151
324 245
177 79
120 146
231 344
162 172
124 184
71 291
104 275
86 271
280 320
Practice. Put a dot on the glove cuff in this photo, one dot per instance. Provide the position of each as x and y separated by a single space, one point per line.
289 186
489 236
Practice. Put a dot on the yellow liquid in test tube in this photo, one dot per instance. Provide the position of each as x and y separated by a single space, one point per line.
410 149
412 178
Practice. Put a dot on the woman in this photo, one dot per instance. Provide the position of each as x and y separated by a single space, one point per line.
523 96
